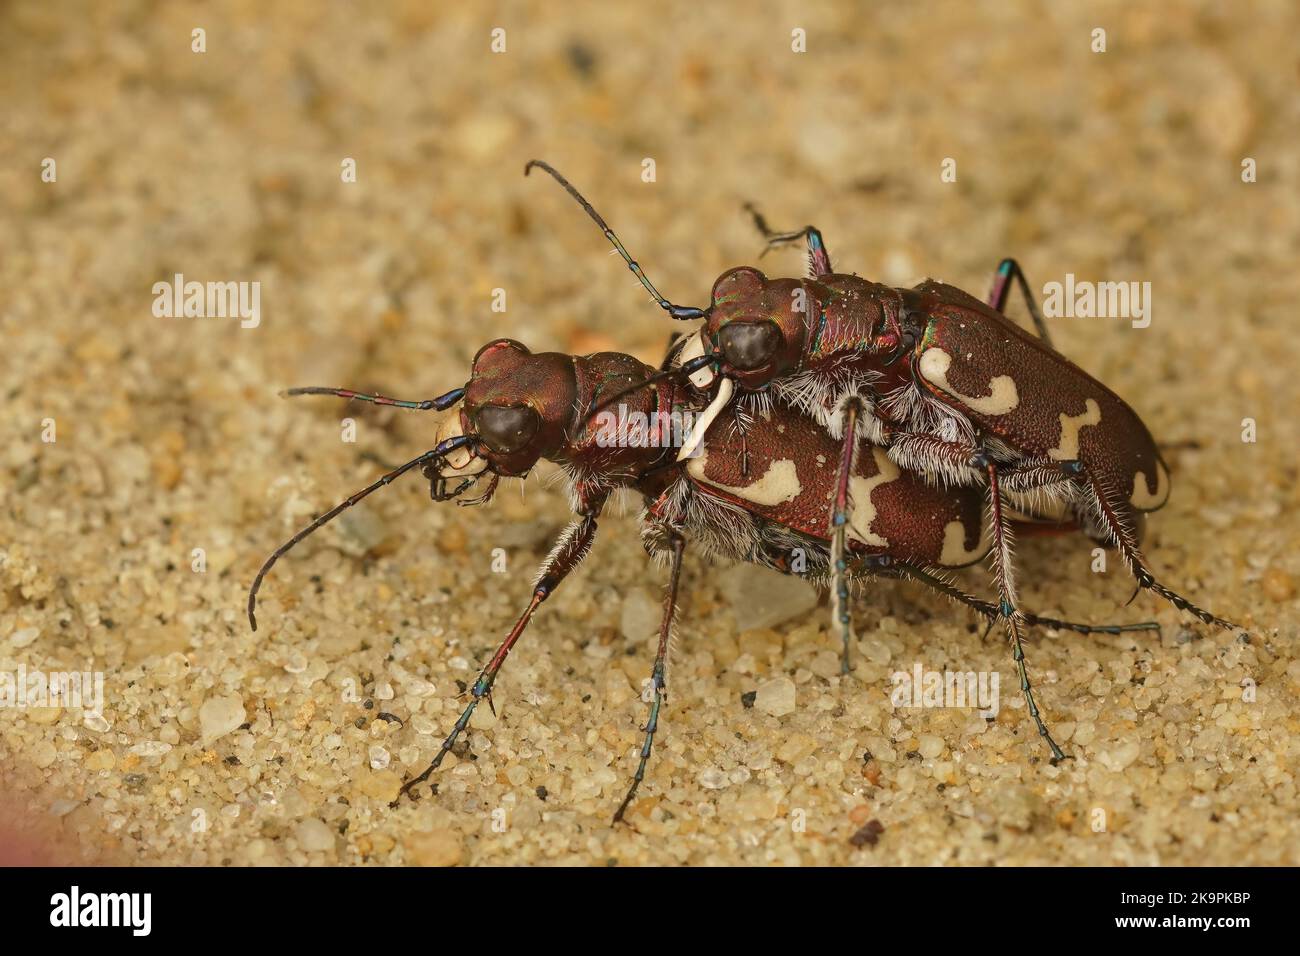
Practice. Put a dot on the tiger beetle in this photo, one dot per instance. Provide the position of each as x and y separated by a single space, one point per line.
946 384
764 500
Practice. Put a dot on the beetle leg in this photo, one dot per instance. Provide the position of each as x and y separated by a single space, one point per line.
1119 529
928 454
989 610
1000 557
744 442
1033 475
657 675
1008 270
819 259
839 530
485 497
1038 485
962 463
569 551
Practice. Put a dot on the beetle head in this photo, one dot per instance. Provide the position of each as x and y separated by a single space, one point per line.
756 326
518 404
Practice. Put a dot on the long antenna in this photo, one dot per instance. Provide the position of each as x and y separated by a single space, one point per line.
441 403
682 312
443 449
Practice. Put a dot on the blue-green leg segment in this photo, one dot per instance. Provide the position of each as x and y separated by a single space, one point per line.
839 556
568 553
882 565
1009 271
1011 614
657 676
819 259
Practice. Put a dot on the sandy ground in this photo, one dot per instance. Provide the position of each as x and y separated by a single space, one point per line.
216 745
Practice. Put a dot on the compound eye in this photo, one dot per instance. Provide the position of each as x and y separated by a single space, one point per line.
507 428
749 345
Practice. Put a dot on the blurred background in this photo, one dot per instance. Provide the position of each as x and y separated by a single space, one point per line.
218 746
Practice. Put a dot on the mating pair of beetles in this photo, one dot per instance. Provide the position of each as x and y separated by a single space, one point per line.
870 431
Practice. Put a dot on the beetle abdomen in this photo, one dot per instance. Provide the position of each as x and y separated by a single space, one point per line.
790 480
1038 402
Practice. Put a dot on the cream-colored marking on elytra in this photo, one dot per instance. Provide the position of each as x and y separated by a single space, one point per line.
864 512
1068 449
954 553
693 350
461 463
1002 397
1142 499
706 418
778 485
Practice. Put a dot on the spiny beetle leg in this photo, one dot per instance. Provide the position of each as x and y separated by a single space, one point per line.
1120 532
739 419
1033 475
482 688
839 531
993 613
485 497
657 675
965 463
569 551
819 259
917 451
1003 575
1009 270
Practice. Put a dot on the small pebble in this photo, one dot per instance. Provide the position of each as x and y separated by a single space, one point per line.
641 616
776 697
869 835
383 785
1277 585
150 748
24 637
44 754
417 687
435 848
219 716
101 760
312 834
762 598
1120 756
712 779
930 746
363 529
757 804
